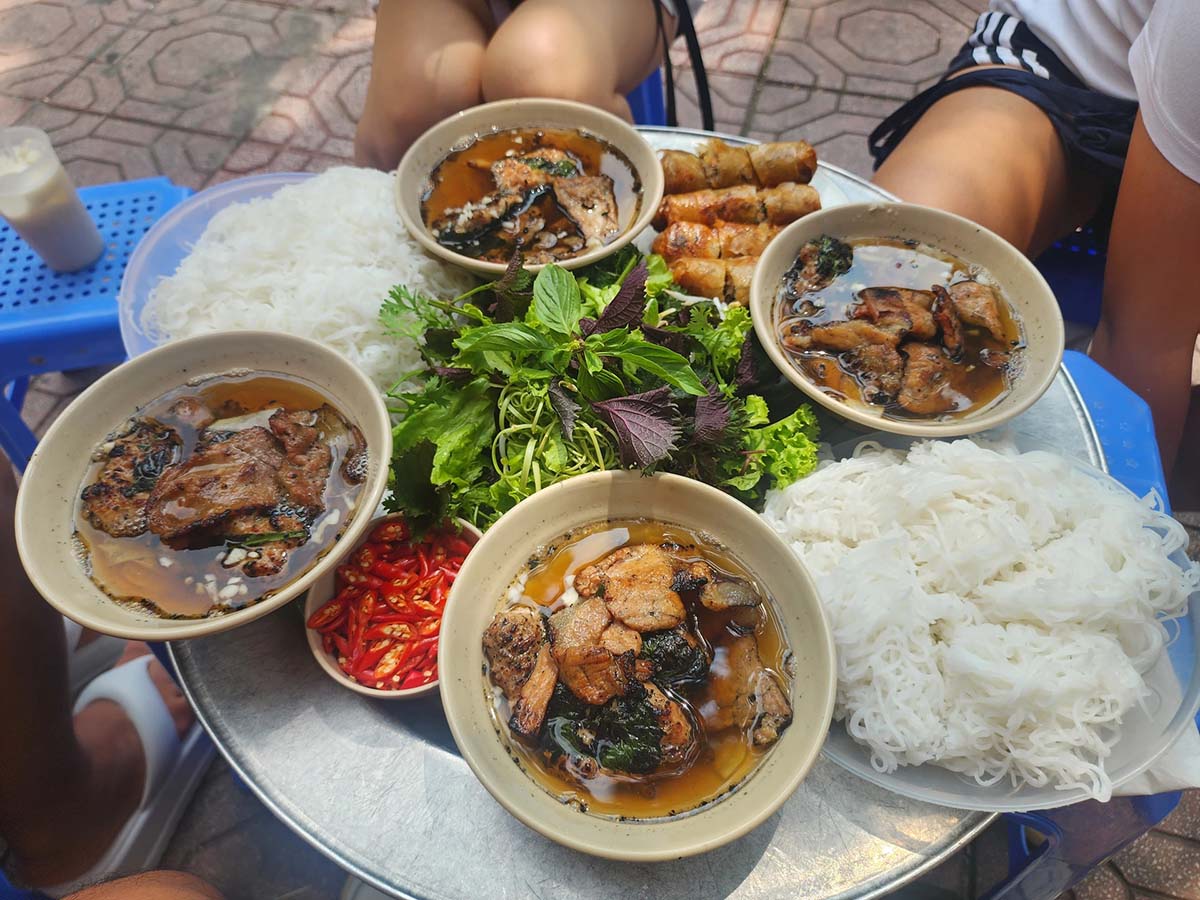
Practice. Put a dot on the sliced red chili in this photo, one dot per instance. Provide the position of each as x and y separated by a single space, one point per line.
328 614
389 532
363 558
392 660
400 631
374 651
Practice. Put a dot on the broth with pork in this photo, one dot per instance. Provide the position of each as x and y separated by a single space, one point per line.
898 325
639 670
218 493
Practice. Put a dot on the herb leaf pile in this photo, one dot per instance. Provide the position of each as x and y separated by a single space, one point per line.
534 380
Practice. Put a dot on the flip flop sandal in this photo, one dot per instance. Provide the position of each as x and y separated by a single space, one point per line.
85 663
173 771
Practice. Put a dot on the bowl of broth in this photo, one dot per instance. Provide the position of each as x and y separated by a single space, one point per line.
202 485
636 666
564 182
907 319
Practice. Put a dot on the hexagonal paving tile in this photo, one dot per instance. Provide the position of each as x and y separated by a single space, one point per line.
33 26
888 36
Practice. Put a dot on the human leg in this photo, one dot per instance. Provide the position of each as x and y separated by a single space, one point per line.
151 886
994 157
425 66
67 784
575 50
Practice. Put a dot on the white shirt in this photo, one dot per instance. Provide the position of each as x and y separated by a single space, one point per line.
1144 50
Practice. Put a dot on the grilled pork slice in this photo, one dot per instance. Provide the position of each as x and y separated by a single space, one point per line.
306 468
880 371
511 643
742 693
926 386
899 310
838 336
948 322
679 735
529 710
133 463
589 201
593 670
977 304
219 480
722 595
636 585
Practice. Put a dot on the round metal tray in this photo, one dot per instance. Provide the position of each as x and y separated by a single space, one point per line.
380 787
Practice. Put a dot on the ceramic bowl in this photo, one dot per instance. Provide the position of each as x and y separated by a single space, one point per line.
413 176
480 591
1023 286
51 485
322 590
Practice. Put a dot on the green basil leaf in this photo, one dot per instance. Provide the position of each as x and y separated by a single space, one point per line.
556 300
632 349
506 337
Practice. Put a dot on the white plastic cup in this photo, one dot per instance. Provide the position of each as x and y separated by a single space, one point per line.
39 201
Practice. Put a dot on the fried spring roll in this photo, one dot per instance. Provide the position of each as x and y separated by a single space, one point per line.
744 240
682 239
788 202
726 166
781 162
724 240
739 272
682 172
724 279
734 204
700 277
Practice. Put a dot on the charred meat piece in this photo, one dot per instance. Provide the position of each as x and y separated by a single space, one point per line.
589 201
880 370
219 480
529 710
511 643
742 693
517 174
271 557
899 310
977 304
819 262
619 639
308 459
926 387
134 461
723 595
470 221
948 322
594 674
580 625
635 583
679 735
837 336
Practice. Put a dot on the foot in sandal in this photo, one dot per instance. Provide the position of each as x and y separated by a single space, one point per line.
88 809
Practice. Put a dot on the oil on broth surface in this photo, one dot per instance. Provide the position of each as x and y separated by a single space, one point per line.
725 758
145 573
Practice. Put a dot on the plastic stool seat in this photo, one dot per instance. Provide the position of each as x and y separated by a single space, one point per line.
51 321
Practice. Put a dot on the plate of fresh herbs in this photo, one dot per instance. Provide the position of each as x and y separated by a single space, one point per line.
533 380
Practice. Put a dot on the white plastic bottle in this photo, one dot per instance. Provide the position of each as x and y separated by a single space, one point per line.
39 201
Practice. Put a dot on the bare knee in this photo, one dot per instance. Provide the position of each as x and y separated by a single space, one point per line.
151 886
546 56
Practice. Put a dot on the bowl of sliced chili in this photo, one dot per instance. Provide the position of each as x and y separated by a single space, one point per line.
373 622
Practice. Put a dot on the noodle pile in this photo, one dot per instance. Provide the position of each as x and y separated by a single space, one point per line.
315 259
994 612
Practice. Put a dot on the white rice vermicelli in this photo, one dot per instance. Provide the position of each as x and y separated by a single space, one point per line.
993 612
315 259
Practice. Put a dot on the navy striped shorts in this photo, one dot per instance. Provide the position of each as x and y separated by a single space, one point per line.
1094 128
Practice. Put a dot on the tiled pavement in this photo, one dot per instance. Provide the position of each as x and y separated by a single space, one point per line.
206 90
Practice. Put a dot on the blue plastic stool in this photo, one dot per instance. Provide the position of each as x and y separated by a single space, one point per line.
1078 838
647 101
51 322
1074 267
